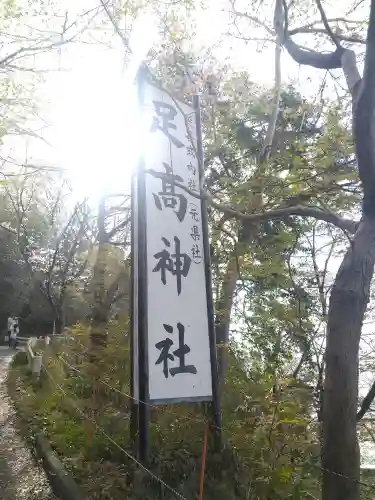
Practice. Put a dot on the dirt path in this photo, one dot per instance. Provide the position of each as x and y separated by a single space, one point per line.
20 477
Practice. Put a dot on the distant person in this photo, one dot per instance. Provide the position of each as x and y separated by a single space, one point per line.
14 336
9 328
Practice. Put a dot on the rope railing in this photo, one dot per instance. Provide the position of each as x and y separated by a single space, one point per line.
188 417
197 419
110 439
139 401
203 421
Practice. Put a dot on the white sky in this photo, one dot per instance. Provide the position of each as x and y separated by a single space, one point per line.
91 108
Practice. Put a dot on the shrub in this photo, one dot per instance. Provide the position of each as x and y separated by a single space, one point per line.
270 444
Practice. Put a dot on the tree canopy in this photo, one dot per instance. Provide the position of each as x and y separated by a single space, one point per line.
289 183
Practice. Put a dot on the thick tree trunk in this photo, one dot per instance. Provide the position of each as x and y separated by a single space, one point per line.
348 303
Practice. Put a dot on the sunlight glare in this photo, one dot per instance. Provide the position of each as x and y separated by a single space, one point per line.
96 127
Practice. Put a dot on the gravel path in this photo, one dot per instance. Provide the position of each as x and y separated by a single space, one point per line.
20 477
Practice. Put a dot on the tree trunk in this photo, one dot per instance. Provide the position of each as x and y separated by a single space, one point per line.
348 303
223 314
99 316
224 303
60 322
99 319
59 325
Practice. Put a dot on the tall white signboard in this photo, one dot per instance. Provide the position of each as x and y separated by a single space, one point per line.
178 344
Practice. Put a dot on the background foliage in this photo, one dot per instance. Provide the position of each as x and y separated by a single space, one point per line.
64 260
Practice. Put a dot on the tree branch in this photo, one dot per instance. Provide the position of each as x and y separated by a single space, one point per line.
41 45
301 29
323 31
340 58
8 229
117 228
252 19
278 27
313 58
305 56
326 24
347 225
116 27
59 240
366 403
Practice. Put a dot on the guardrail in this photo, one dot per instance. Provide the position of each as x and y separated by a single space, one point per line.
34 360
22 340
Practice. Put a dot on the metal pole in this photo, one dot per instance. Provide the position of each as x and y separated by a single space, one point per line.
143 413
134 365
215 405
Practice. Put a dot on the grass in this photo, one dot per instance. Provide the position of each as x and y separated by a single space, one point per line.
268 447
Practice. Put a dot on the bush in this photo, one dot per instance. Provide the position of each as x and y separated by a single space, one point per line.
269 444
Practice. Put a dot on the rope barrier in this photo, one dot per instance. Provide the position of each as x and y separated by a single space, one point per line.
207 423
100 429
361 483
150 405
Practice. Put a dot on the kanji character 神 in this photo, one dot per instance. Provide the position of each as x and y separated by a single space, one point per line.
177 263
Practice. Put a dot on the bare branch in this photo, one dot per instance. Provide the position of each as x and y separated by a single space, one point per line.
115 25
301 29
311 57
45 44
326 24
366 403
117 228
323 31
58 243
8 229
252 18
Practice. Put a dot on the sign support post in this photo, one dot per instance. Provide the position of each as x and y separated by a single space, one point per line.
134 364
143 413
215 404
